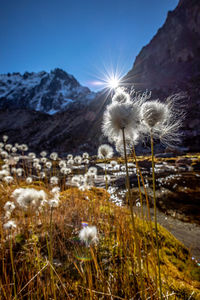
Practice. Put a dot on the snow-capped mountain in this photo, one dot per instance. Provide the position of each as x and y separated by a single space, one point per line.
45 92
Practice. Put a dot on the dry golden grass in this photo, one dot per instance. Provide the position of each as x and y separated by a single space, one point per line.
107 270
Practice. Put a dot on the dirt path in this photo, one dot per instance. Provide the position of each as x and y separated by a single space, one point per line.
187 233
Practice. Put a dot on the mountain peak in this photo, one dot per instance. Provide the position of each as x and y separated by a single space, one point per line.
46 92
168 59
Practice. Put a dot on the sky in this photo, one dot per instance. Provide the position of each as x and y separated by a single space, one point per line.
86 38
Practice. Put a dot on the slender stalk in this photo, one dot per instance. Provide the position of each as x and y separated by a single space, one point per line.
139 186
13 268
148 207
132 216
51 254
155 214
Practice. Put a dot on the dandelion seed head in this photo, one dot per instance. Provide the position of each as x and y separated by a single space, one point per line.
5 138
78 159
105 151
92 170
62 164
48 165
10 225
43 153
4 154
69 156
154 112
4 173
65 171
29 180
120 116
88 235
32 155
53 203
54 180
54 156
8 179
8 147
85 155
26 197
9 206
120 96
70 162
43 160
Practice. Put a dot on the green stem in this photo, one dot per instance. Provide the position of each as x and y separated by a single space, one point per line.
132 216
155 214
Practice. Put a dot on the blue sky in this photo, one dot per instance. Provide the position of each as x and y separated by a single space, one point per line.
86 38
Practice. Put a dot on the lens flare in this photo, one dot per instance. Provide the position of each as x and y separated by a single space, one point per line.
84 224
109 79
113 82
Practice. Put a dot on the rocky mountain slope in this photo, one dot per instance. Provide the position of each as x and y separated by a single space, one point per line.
70 115
44 92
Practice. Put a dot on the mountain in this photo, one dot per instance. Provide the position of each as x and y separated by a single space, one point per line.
170 64
44 92
52 111
173 55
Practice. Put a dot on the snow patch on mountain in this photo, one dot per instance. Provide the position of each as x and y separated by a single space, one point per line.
46 92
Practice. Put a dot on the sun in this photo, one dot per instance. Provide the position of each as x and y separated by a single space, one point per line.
109 79
113 82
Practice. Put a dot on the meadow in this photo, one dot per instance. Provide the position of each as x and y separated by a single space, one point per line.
63 238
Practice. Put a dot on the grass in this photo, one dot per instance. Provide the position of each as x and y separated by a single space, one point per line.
107 270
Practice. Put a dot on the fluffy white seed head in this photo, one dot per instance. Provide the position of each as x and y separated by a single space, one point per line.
23 147
69 156
5 138
54 155
9 225
120 96
43 153
88 235
8 179
8 147
29 180
4 173
53 203
62 164
4 154
54 180
85 155
48 165
65 171
86 161
27 197
32 155
92 170
78 159
70 162
120 116
163 120
43 160
105 151
154 112
9 206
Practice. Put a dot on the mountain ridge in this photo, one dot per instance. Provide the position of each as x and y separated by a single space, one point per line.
42 91
169 64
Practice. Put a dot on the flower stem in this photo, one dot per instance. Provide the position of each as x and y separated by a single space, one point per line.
132 216
13 268
155 214
51 254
